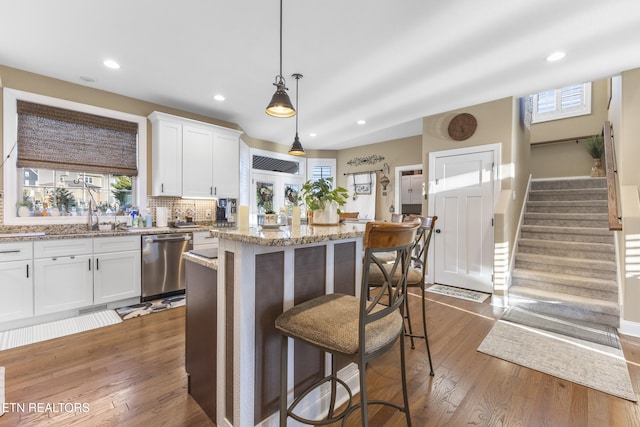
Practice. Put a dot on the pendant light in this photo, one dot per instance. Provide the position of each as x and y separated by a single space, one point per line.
296 147
280 105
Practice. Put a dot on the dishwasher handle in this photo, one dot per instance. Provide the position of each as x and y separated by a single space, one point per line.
168 238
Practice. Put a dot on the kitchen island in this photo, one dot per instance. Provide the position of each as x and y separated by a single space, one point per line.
261 273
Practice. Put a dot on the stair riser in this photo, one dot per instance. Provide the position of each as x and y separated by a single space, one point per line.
564 310
567 209
599 223
583 238
566 196
568 184
563 269
566 289
567 253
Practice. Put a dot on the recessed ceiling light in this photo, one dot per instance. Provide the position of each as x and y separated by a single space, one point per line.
111 64
219 97
556 56
362 122
313 134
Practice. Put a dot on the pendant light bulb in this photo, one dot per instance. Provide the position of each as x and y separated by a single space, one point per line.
296 147
280 105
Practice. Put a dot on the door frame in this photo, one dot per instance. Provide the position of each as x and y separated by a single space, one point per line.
398 184
497 170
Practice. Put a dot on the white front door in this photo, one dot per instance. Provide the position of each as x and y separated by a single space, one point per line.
462 191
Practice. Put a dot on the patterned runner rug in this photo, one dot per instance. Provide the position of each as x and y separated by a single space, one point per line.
570 357
46 331
451 291
149 307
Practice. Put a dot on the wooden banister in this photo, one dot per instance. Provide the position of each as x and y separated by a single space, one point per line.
611 173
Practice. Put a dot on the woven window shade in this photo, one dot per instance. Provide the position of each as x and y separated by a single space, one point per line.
55 138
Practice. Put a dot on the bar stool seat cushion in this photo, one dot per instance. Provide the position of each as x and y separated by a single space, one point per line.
332 321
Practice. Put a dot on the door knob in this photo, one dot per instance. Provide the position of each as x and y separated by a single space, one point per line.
437 230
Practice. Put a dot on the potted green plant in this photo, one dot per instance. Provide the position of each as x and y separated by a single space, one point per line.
270 217
323 200
595 148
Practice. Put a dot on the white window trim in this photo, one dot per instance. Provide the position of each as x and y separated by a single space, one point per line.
10 138
312 163
583 110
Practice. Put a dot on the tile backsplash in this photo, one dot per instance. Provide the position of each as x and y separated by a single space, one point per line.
199 207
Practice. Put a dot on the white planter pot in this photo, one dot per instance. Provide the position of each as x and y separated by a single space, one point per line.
328 216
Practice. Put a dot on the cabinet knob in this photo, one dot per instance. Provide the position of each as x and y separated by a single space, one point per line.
438 230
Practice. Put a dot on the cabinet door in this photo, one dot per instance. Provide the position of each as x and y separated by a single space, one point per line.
116 276
63 283
226 165
416 189
406 194
16 288
197 158
167 158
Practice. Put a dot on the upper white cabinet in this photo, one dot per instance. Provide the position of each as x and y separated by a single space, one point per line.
166 157
207 165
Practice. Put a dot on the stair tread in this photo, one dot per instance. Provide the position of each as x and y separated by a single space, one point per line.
593 282
562 260
555 229
566 215
586 246
609 307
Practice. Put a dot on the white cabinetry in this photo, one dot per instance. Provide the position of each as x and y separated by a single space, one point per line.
16 280
204 240
197 155
207 164
166 157
411 190
116 274
226 164
63 275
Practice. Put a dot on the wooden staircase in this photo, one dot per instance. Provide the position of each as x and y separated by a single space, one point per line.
565 261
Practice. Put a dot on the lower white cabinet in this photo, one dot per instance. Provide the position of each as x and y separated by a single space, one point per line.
16 280
117 272
63 283
76 273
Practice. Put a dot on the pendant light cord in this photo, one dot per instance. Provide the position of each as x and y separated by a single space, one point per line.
281 78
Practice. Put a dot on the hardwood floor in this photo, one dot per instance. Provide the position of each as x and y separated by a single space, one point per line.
132 374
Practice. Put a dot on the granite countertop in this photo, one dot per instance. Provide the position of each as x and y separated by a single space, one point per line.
211 263
289 235
18 235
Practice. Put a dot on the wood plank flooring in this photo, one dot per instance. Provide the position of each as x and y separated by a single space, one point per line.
132 374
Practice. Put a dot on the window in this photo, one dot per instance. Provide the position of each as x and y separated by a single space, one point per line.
321 168
554 104
58 192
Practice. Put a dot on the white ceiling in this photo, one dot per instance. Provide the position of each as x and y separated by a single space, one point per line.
389 62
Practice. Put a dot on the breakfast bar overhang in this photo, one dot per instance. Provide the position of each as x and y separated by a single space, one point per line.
260 274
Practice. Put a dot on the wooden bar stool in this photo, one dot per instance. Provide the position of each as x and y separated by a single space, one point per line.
354 328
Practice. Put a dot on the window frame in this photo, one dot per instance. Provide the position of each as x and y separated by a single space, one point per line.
10 135
583 109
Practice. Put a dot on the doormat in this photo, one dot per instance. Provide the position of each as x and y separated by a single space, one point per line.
148 307
593 365
451 291
59 328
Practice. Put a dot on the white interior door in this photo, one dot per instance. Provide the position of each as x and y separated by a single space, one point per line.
463 189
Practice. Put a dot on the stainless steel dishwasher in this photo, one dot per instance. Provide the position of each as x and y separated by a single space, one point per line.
162 264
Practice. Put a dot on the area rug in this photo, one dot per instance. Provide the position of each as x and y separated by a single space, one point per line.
59 328
594 365
451 291
149 307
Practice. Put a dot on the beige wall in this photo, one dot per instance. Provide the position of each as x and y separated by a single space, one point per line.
568 158
398 152
35 83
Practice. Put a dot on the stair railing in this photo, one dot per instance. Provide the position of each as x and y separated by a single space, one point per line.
611 173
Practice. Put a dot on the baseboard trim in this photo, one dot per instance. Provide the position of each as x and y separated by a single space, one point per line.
629 328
